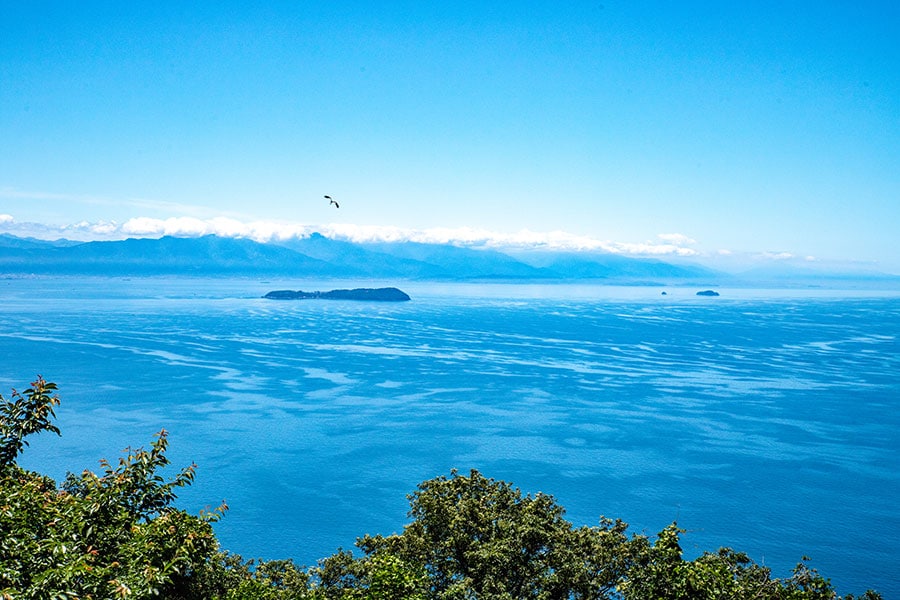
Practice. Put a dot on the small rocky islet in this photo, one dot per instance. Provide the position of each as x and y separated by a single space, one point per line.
388 294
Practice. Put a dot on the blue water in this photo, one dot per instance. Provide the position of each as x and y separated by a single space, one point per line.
763 420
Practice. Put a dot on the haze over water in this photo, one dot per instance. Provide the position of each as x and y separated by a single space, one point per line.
765 421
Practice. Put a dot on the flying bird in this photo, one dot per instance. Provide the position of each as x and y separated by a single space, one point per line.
332 201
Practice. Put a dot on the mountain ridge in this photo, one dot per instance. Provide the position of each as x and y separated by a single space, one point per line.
322 257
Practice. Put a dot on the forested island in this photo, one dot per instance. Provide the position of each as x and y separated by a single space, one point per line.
388 294
118 534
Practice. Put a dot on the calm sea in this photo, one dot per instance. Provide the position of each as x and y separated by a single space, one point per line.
768 421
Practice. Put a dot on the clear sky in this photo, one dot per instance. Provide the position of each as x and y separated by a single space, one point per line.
692 128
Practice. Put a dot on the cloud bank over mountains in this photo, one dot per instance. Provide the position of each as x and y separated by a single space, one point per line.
556 253
666 246
671 244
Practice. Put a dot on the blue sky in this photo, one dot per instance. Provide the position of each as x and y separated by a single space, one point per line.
708 130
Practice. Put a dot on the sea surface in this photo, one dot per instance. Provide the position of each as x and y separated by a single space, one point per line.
764 420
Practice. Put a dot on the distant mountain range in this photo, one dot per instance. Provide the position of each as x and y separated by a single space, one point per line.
320 257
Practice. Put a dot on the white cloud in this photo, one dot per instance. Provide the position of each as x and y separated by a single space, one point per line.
86 229
132 203
677 239
553 240
785 257
777 256
175 226
6 218
262 231
8 192
265 231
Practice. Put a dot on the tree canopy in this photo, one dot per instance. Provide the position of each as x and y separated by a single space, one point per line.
118 534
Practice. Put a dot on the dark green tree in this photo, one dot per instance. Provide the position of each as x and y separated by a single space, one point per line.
481 538
659 571
378 576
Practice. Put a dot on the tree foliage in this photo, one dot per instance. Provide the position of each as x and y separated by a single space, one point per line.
25 414
477 537
117 534
110 535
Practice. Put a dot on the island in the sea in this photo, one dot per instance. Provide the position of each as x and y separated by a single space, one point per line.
388 294
708 293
